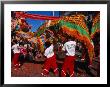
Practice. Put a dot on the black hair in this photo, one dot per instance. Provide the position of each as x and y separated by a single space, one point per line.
15 41
21 43
47 44
70 38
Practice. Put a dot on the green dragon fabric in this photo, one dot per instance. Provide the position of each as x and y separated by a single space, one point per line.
40 31
69 25
97 26
74 26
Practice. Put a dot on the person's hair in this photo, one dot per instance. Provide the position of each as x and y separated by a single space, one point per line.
15 41
21 43
70 38
47 44
73 38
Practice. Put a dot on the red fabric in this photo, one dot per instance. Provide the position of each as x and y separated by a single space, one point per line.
35 16
23 20
15 59
23 51
68 65
50 63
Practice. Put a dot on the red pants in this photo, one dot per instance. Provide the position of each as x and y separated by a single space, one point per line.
15 59
68 65
50 63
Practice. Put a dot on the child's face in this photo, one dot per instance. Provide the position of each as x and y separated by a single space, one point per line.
21 45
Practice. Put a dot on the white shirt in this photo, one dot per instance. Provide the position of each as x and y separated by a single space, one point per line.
70 48
15 48
25 45
49 52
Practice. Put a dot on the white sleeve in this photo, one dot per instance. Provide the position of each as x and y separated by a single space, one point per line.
45 54
18 46
52 46
63 48
75 43
12 47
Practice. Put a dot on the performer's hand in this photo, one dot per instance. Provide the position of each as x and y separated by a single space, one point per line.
90 66
82 60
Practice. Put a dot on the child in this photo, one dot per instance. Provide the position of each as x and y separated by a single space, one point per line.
23 53
16 51
50 60
69 47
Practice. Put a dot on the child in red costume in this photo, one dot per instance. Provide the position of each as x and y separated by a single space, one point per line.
23 53
69 47
50 60
16 51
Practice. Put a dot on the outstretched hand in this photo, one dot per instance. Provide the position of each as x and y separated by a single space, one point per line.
82 60
90 66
